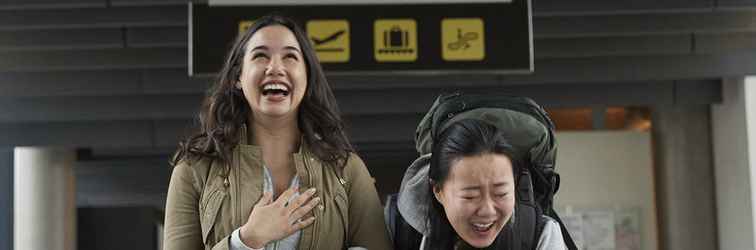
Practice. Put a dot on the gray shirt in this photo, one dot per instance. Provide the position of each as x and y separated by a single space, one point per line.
288 243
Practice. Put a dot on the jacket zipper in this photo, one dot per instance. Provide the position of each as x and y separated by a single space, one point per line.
316 223
236 199
345 226
315 228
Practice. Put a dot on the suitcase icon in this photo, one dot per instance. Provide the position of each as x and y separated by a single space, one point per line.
395 38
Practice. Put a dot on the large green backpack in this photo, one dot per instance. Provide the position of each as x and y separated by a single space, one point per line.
529 130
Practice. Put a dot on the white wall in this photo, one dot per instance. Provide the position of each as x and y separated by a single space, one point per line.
734 132
609 170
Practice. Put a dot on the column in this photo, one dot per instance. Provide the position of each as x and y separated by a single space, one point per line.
684 174
734 131
44 198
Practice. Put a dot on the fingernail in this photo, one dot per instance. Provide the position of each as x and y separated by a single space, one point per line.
311 190
316 200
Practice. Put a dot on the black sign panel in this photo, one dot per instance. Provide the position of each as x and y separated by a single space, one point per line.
379 38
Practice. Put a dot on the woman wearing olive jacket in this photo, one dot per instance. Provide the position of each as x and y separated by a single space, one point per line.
271 167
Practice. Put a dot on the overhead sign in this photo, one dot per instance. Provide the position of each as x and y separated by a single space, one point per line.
330 38
350 2
463 39
481 37
395 40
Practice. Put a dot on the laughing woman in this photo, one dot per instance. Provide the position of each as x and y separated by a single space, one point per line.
484 179
472 182
271 167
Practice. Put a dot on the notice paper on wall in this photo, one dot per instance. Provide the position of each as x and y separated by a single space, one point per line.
574 224
604 229
598 230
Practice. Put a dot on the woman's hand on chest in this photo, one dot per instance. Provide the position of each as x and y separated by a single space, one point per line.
273 220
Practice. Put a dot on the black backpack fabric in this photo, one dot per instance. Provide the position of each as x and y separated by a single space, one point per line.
531 132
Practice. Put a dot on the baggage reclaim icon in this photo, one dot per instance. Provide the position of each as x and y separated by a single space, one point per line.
395 40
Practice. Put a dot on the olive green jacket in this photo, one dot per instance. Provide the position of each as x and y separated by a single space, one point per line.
207 201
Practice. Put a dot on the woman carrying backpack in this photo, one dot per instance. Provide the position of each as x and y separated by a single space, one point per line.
471 188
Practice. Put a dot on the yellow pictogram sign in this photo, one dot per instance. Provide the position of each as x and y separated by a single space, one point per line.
244 26
395 40
462 39
330 38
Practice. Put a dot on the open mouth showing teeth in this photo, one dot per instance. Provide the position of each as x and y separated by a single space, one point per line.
275 89
479 227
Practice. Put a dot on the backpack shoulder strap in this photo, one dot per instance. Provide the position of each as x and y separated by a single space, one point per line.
565 234
390 212
528 215
405 237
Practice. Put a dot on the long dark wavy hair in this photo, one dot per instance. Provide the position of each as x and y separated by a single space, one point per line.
461 139
225 111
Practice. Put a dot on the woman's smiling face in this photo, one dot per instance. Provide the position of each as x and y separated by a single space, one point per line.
274 73
478 197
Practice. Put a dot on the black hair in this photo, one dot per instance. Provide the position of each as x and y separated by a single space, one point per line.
463 138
